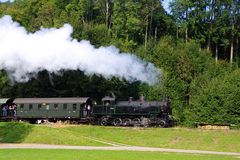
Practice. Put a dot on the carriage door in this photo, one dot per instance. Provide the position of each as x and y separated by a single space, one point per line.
85 110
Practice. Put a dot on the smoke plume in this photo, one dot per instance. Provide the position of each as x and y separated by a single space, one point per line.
22 54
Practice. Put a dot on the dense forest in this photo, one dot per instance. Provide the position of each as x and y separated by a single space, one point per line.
196 46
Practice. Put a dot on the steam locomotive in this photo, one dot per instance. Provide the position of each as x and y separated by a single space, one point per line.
85 110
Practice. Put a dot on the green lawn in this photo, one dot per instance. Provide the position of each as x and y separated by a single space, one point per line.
181 138
30 154
26 133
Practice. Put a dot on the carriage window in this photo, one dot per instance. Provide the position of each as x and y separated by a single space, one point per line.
30 106
64 106
74 106
55 106
21 106
47 107
39 106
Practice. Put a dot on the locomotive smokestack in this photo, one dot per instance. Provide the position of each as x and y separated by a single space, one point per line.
22 54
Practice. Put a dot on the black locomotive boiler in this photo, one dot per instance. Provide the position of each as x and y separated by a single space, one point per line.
128 113
84 109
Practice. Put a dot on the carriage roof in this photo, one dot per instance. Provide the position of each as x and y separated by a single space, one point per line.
51 100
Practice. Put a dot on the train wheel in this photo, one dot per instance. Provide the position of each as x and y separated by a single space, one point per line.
127 122
103 121
136 122
162 123
145 122
94 121
74 122
117 122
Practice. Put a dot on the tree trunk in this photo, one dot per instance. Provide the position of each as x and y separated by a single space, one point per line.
107 12
209 38
155 35
186 34
83 21
211 18
231 50
237 51
146 32
150 25
146 35
177 33
208 43
216 53
186 30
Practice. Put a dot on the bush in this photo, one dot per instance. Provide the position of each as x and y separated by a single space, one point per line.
218 101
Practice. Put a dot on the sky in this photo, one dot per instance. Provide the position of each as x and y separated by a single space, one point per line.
165 4
6 0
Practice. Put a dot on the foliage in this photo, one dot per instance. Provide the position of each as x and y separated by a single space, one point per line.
215 24
180 65
98 34
218 101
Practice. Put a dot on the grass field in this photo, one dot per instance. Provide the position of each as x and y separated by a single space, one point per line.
180 138
30 154
26 133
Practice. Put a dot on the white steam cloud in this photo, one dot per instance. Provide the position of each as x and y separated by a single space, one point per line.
23 54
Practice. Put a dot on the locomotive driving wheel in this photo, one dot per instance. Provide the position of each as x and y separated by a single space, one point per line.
103 121
126 122
162 123
117 122
136 122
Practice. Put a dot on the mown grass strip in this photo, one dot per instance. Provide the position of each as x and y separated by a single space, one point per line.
30 154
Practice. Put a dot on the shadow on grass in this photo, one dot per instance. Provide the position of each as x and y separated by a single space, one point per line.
14 132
